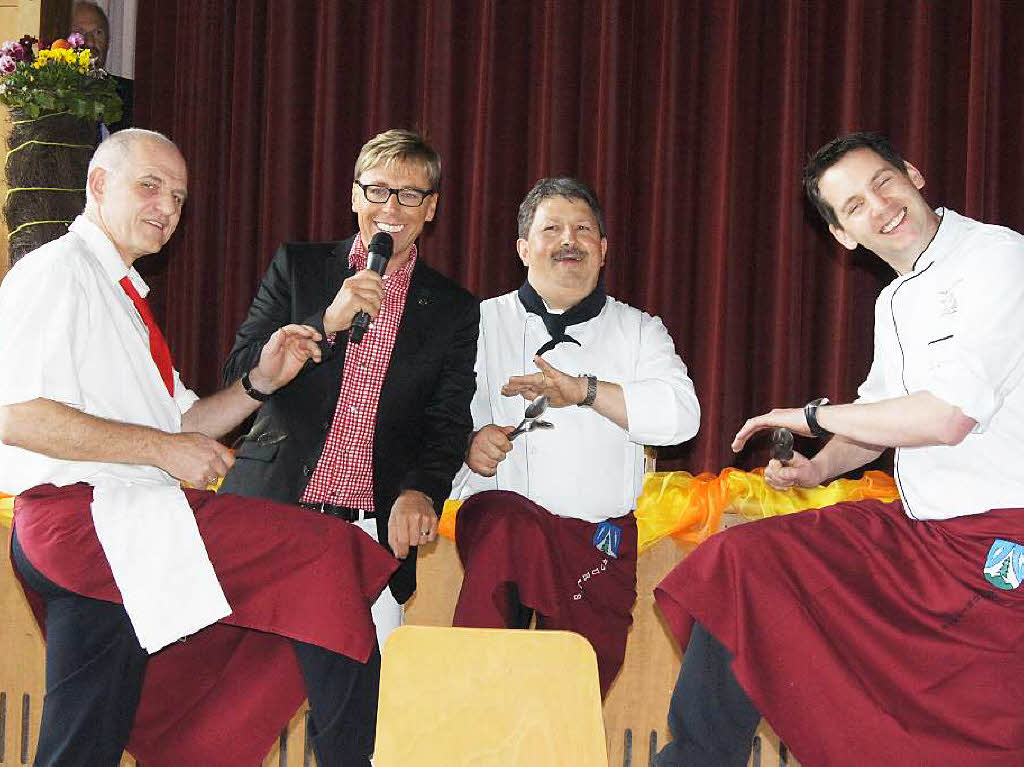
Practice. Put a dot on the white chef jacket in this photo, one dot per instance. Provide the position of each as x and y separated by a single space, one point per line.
586 467
954 326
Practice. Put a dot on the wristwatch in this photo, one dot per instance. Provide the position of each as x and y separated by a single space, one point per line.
591 390
811 416
252 391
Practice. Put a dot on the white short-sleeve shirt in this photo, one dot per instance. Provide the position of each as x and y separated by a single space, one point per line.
69 333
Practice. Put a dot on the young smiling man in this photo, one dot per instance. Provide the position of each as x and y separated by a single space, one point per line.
548 524
875 633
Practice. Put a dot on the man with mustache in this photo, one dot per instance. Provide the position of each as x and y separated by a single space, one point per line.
874 633
547 527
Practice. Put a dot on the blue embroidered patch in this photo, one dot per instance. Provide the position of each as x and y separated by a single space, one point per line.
607 538
1004 566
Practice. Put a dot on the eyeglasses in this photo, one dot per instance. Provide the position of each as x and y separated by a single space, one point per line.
409 197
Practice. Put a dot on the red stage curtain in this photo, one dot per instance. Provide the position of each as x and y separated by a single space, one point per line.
691 119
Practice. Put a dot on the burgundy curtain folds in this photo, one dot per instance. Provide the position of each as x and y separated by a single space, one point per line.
691 118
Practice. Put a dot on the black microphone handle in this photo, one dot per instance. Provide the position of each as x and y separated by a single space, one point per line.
360 324
376 262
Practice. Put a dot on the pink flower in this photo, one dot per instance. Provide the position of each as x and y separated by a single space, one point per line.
7 64
77 40
16 52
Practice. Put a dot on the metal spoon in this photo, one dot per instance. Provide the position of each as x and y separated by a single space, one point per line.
533 411
538 423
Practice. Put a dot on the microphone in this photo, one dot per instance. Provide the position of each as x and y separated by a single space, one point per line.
377 257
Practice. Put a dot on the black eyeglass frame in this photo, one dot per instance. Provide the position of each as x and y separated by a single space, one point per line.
397 193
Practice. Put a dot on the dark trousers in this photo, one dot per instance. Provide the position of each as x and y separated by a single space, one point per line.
711 719
94 672
343 704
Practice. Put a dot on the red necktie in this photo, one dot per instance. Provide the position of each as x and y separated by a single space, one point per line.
157 343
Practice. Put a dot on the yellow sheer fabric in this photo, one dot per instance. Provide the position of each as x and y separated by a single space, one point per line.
690 508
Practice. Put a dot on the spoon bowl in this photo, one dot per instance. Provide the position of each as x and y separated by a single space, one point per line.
537 407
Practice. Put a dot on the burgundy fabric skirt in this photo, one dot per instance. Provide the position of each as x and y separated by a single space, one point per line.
866 637
222 696
504 538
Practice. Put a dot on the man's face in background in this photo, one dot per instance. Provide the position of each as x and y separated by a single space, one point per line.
90 24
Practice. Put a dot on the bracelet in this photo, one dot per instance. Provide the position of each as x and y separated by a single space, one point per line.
591 391
811 416
252 391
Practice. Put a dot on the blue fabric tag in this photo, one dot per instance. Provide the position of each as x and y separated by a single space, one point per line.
1004 566
607 538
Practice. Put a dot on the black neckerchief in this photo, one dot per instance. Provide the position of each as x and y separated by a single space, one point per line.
556 324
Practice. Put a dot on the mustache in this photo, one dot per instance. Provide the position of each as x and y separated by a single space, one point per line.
564 251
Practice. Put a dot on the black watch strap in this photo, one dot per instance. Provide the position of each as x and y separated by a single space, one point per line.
252 391
811 416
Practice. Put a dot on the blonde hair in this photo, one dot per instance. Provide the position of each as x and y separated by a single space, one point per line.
399 146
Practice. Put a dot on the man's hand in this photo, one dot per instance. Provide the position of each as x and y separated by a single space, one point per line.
792 418
562 389
488 448
283 356
362 292
412 522
194 458
796 472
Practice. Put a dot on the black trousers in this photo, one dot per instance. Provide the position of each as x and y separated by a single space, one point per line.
711 719
95 668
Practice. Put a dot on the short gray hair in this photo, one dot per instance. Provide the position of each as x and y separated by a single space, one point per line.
114 150
565 186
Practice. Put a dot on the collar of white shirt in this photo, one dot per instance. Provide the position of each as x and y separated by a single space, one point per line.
106 253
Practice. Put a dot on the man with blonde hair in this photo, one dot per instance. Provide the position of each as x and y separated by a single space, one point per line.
375 433
173 619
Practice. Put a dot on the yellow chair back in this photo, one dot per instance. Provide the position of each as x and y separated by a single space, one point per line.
489 697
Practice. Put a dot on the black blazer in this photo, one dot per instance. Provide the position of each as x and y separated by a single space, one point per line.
423 420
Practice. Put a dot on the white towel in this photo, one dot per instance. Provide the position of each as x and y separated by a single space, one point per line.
160 565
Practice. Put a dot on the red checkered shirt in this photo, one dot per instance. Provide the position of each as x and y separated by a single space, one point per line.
344 473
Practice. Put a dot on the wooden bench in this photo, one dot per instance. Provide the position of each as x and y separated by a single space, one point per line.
634 710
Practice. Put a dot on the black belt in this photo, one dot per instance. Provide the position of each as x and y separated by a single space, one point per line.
341 512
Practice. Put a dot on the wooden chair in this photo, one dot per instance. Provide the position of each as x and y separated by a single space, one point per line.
458 696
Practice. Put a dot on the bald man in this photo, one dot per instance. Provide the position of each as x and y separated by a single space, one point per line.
173 619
